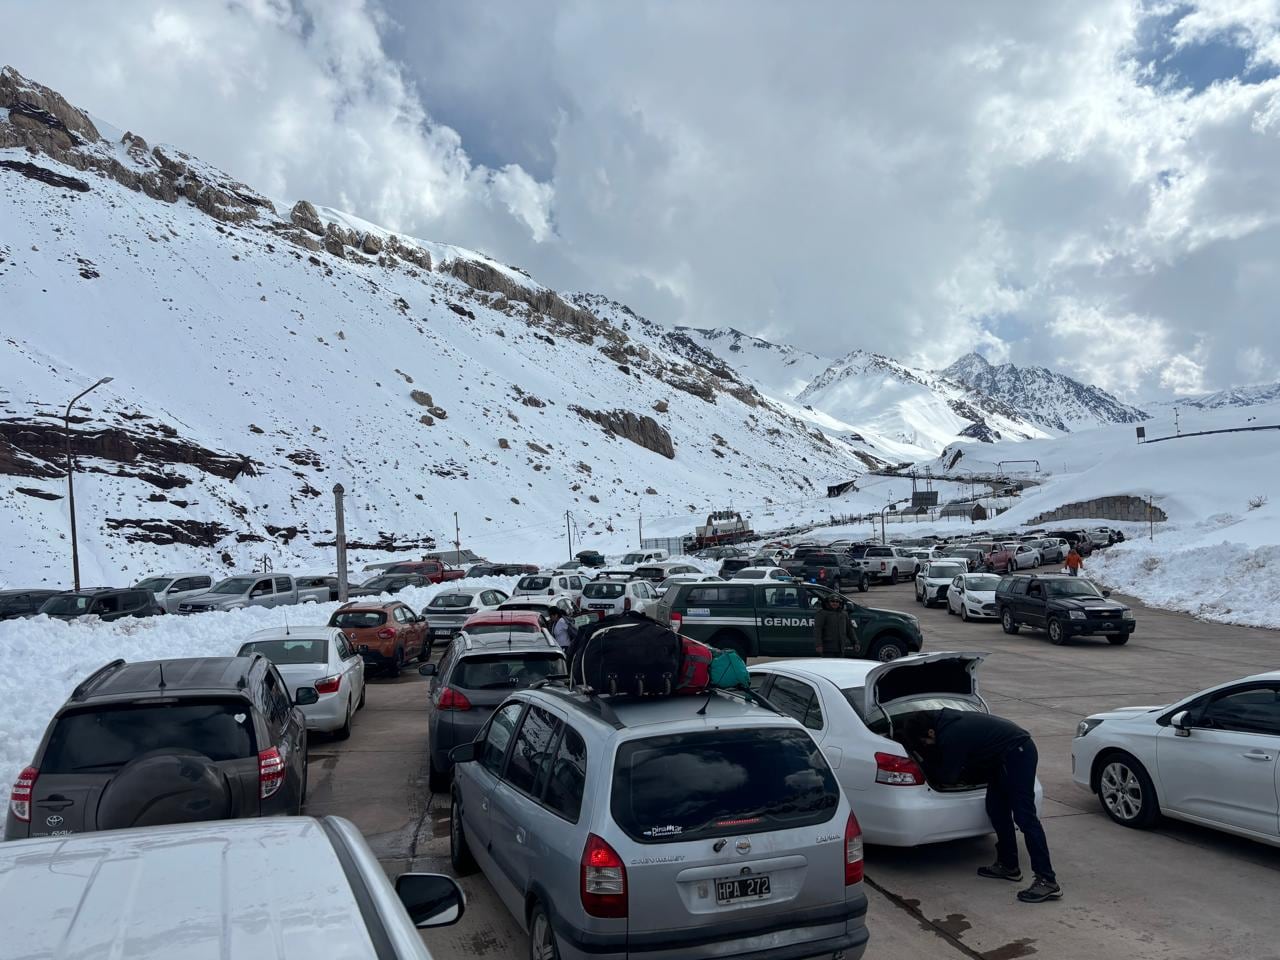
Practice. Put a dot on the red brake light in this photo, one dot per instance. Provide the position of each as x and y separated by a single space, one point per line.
386 633
898 771
822 573
20 797
270 772
677 620
328 685
626 603
852 851
604 880
882 565
451 699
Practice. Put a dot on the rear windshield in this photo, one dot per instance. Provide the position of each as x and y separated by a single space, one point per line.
356 619
506 670
481 629
451 601
155 584
651 573
939 570
104 740
534 583
830 558
604 591
289 651
720 783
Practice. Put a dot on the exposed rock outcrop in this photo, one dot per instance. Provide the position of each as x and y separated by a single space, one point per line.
641 430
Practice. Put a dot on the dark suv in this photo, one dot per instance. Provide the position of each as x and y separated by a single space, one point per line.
166 741
105 603
1062 606
23 603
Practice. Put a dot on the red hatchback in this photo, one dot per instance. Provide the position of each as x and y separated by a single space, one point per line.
504 621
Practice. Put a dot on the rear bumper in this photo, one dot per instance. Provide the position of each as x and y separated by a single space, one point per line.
328 713
912 816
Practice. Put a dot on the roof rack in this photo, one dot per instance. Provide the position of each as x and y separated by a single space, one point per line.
82 689
591 703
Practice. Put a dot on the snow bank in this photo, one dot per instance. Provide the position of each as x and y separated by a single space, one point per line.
46 658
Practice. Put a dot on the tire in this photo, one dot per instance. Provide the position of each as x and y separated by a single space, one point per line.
460 857
1126 792
864 583
344 731
1007 623
397 664
542 938
302 791
893 575
437 780
950 612
364 693
964 613
1057 635
1119 641
886 649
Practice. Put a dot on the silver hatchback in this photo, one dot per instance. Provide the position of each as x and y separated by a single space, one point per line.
686 827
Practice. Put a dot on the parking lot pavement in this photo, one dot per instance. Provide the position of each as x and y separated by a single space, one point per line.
1174 893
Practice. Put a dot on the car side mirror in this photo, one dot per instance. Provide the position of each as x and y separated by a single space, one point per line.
431 899
427 670
464 752
305 696
173 588
1181 723
1106 593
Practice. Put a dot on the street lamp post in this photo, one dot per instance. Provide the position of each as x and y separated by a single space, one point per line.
71 489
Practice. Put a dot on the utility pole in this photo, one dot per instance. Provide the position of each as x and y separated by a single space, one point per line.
1151 517
457 538
1177 422
71 490
568 532
640 525
340 538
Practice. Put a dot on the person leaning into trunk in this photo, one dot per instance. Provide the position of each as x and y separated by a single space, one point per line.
834 633
971 747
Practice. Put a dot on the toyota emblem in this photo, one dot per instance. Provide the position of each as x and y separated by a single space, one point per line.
54 821
743 846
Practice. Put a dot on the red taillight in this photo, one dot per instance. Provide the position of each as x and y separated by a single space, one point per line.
270 772
882 564
626 604
386 633
677 621
451 699
898 771
604 880
328 685
852 851
20 797
822 573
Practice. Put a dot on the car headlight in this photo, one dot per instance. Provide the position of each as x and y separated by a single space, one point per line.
1126 614
1083 728
1077 614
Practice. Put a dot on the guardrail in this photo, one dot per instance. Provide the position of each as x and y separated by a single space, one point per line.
1205 433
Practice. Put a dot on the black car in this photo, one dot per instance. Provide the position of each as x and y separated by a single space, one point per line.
828 569
501 570
590 558
166 741
109 604
388 583
23 603
1062 606
732 565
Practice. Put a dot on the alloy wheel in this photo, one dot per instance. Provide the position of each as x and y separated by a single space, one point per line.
542 946
1121 791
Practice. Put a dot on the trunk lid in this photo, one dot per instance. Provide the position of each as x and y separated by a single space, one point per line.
953 674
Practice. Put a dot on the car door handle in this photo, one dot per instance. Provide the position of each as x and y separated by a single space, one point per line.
484 804
520 835
1257 755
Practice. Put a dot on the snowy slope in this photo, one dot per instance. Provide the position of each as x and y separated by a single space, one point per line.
261 356
779 370
1251 396
1052 400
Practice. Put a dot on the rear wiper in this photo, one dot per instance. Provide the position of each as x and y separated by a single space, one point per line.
98 766
496 684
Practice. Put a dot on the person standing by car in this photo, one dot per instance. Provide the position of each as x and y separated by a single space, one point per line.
971 747
560 627
834 633
1074 562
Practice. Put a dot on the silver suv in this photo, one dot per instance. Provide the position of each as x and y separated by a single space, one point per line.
685 827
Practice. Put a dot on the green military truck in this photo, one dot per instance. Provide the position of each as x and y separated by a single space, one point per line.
775 619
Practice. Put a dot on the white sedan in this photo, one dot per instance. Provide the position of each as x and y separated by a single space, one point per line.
1210 758
934 579
850 711
319 657
762 573
1025 556
973 596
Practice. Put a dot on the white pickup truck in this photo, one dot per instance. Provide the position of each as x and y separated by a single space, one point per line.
887 563
254 590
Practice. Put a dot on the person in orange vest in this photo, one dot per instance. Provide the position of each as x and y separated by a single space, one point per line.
1074 562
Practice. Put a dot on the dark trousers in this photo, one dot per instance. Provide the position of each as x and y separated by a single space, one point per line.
1011 798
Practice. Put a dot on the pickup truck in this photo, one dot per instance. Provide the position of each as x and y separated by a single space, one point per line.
254 590
777 619
1063 607
888 563
830 570
434 570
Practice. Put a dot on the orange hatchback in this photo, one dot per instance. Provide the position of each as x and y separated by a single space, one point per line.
387 635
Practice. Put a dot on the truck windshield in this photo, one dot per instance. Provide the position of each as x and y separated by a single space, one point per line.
235 585
1072 588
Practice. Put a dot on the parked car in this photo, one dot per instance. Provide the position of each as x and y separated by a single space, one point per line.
104 603
387 583
1209 758
1076 538
590 558
657 572
853 709
501 569
661 589
596 823
436 571
170 589
252 590
777 619
447 612
1052 549
602 598
1025 556
829 569
762 573
542 604
934 581
887 563
732 565
495 655
637 557
550 583
319 657
321 585
971 556
973 596
317 880
17 604
569 566
1063 607
720 553
996 557
164 741
386 635
1102 536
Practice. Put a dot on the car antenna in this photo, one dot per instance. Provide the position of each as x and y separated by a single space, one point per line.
160 667
286 624
710 693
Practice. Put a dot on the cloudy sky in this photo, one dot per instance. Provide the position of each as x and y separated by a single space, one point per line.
1092 185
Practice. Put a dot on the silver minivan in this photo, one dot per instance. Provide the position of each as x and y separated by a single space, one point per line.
683 827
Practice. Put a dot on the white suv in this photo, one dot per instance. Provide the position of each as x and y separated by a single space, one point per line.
602 598
550 583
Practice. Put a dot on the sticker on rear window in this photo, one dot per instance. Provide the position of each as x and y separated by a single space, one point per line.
670 830
240 717
698 612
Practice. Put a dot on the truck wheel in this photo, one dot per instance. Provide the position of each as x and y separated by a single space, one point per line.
864 583
1118 641
1007 623
887 649
1057 635
730 640
893 575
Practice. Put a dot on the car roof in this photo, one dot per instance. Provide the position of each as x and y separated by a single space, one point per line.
119 680
26 590
175 576
487 643
266 888
309 632
614 713
382 607
502 617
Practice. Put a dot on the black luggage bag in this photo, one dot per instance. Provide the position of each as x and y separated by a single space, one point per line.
627 654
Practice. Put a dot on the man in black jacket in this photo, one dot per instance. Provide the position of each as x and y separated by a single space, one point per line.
964 746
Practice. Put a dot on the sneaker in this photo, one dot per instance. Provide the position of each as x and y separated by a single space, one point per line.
1040 891
998 871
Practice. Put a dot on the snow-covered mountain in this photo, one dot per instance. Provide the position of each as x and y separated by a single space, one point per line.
780 370
1042 396
912 411
1250 396
261 355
